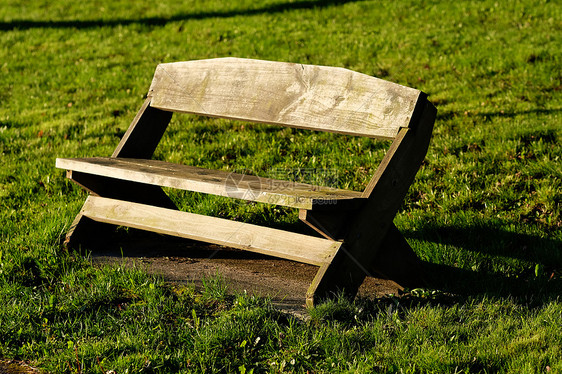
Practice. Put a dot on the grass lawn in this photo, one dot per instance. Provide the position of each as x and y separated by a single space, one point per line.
484 211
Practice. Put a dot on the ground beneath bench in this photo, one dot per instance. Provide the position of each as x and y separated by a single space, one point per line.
185 261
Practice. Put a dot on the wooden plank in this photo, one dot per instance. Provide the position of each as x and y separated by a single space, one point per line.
424 117
217 182
84 230
304 96
273 242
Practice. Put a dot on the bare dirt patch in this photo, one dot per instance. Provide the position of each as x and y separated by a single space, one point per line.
16 367
185 261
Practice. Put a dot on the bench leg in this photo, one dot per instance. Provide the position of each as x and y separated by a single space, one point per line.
84 229
140 141
372 242
392 258
343 275
328 224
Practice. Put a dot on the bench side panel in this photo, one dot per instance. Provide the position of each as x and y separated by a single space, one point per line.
303 96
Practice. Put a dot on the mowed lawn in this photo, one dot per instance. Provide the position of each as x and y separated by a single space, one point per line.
484 212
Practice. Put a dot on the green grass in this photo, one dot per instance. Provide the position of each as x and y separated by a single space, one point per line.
484 210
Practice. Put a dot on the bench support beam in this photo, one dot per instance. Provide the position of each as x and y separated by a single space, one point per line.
140 141
371 239
288 245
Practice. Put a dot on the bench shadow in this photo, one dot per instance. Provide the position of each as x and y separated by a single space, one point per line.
525 287
139 244
539 283
447 115
518 113
161 21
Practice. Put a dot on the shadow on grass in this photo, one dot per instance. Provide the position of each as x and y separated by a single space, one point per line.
533 286
464 283
508 114
162 21
539 283
113 241
495 241
447 115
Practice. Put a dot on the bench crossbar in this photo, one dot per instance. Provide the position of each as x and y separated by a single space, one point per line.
241 235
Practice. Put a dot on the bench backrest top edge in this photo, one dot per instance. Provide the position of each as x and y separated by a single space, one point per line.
304 96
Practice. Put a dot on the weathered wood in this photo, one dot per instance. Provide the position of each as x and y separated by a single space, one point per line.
144 133
359 235
421 116
304 96
273 242
370 225
216 182
84 230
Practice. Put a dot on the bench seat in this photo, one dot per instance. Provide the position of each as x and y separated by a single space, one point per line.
216 182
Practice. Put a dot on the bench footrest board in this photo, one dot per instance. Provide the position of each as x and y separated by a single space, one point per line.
265 240
216 182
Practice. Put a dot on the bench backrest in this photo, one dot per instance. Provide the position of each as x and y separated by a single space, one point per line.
303 96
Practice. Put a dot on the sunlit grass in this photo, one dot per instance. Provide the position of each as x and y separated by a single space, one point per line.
484 210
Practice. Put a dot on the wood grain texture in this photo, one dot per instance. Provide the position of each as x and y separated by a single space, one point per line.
304 96
278 243
216 182
84 230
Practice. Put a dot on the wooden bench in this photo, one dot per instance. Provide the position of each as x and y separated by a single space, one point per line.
356 235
